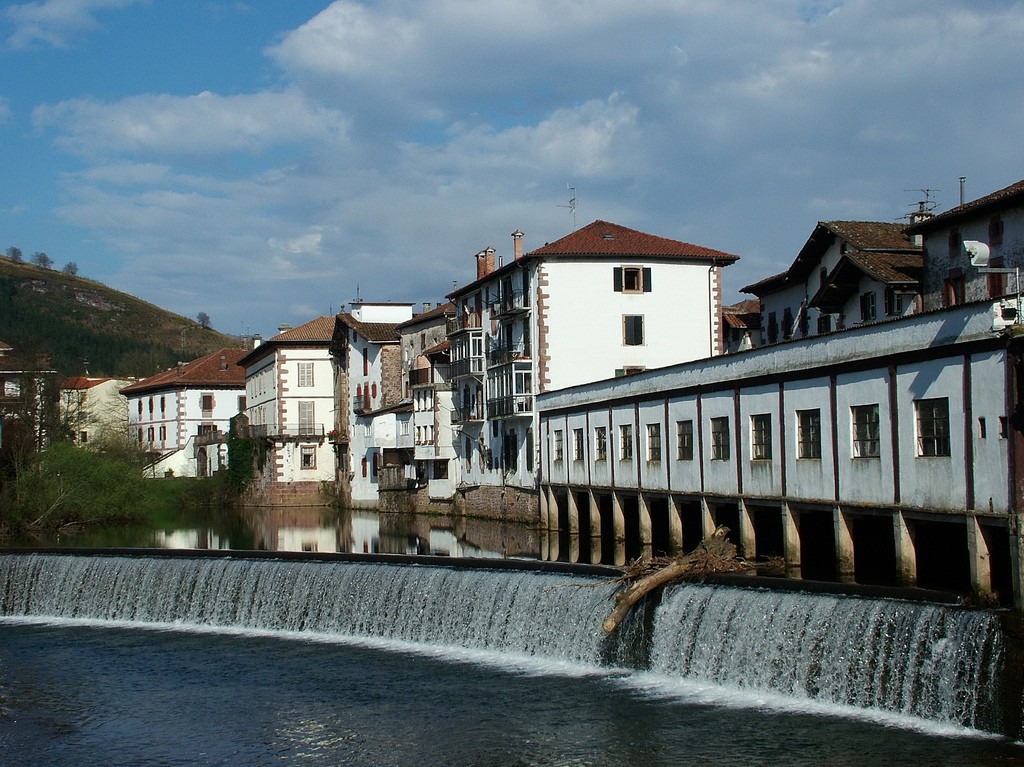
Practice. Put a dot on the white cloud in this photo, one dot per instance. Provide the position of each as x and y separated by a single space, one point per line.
55 22
199 125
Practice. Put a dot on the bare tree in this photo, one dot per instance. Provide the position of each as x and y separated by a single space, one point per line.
71 268
15 254
204 320
42 260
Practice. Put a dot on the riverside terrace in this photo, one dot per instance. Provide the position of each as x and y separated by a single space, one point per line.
884 455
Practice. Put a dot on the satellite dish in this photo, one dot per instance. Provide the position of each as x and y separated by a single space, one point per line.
977 252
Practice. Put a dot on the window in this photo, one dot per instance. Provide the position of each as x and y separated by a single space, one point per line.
932 426
982 429
307 456
773 328
163 433
953 288
893 302
306 419
469 454
305 374
955 244
684 440
241 404
632 279
625 442
83 437
151 406
577 444
720 439
1004 430
601 443
761 437
824 323
867 307
632 329
808 434
787 323
206 404
140 402
163 405
653 442
995 231
865 431
559 447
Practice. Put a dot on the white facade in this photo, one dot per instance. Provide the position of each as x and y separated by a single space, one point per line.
290 396
93 408
898 456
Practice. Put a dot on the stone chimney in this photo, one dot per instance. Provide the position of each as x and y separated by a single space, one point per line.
427 306
517 240
223 362
484 263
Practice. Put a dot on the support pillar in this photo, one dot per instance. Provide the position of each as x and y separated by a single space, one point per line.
979 557
544 507
791 540
675 526
618 530
595 528
644 523
748 541
843 529
906 553
573 521
707 518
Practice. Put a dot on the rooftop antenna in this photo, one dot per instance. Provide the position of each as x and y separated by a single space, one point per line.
572 204
927 204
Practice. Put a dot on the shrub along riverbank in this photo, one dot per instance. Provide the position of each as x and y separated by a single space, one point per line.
68 486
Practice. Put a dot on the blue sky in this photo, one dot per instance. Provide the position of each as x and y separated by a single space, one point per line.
265 161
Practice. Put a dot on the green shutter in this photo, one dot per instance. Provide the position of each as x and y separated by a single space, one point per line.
617 278
647 279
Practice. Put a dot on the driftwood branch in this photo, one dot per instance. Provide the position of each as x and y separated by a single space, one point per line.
715 554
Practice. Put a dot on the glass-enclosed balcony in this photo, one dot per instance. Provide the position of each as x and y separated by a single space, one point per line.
510 302
510 406
463 323
503 354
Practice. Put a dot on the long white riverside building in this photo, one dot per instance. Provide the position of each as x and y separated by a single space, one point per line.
887 454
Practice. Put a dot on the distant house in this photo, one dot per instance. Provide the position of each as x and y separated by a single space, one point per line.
996 220
741 326
29 414
847 273
180 414
602 302
289 383
93 408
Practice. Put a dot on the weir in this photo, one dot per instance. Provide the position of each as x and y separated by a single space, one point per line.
933 662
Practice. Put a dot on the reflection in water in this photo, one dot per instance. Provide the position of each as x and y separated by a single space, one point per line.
318 529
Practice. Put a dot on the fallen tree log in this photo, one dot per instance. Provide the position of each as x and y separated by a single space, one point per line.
715 554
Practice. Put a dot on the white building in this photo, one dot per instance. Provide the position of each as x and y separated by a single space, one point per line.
604 301
93 408
881 454
368 358
290 384
171 412
847 273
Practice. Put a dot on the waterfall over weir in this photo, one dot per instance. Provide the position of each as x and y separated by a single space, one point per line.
926 661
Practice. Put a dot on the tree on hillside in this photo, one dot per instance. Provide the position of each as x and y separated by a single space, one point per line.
14 254
42 260
71 268
204 320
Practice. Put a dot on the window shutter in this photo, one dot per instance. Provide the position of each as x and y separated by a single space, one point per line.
647 279
618 279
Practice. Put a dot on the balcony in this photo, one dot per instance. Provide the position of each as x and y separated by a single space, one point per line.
514 302
437 375
471 366
503 355
515 405
467 414
361 403
302 431
463 323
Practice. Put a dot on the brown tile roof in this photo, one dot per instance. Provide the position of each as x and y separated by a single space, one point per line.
320 329
376 332
890 267
1002 198
745 314
872 235
219 369
82 382
602 238
439 311
444 346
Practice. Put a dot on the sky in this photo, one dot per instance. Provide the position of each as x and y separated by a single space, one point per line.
268 162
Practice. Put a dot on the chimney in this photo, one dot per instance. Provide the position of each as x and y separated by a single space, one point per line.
427 306
283 328
963 190
484 263
517 239
257 339
223 362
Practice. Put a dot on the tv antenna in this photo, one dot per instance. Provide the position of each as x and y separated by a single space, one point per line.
572 204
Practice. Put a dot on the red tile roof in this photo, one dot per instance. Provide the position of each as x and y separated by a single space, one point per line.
376 332
320 329
219 369
602 238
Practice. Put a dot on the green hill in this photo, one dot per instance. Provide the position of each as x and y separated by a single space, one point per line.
74 320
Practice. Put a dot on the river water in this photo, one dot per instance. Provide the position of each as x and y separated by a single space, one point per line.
82 695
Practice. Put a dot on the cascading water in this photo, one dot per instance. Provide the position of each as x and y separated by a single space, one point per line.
921 660
926 661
